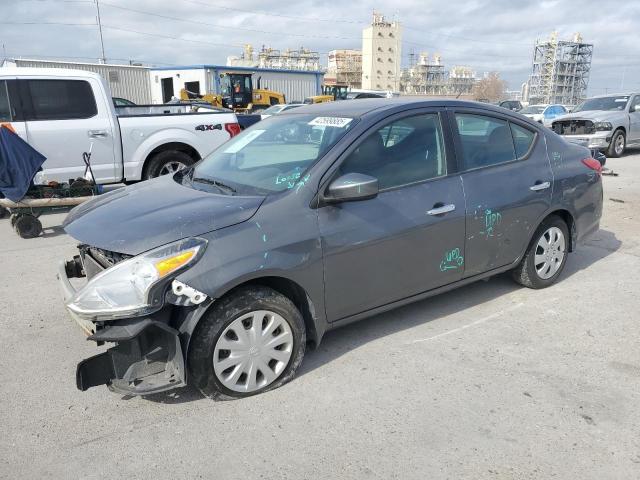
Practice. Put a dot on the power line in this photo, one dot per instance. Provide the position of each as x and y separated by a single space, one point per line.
51 23
271 14
199 22
204 42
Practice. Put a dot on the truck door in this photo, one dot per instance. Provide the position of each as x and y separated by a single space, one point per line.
9 102
64 121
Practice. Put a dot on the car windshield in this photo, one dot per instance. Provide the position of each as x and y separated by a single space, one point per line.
273 109
533 109
270 157
618 102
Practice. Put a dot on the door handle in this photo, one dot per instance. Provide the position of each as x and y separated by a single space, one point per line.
441 210
97 133
540 186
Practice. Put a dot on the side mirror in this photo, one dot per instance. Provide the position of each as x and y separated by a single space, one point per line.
351 188
634 108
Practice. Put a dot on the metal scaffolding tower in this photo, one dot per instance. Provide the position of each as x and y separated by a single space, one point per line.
560 72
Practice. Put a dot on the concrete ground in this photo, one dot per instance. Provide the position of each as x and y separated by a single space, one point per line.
489 381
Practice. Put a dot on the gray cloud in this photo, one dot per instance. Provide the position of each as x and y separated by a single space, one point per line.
484 34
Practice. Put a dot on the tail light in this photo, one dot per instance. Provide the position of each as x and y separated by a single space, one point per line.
232 128
593 164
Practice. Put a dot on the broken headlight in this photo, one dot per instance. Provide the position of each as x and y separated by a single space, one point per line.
124 290
603 126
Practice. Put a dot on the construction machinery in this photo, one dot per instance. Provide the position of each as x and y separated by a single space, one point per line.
330 93
237 93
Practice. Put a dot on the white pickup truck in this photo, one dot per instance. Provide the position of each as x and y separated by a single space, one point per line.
65 114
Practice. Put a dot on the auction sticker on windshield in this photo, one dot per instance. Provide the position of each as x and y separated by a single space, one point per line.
242 142
339 122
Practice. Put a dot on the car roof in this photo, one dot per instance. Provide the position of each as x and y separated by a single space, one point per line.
364 106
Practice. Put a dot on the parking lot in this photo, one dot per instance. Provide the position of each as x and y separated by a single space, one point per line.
488 381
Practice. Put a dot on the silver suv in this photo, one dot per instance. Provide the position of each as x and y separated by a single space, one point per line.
610 123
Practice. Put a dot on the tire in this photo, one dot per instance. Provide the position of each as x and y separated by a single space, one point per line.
28 226
618 144
529 274
165 163
220 380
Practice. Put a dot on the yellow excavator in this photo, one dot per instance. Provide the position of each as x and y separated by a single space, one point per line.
330 93
237 93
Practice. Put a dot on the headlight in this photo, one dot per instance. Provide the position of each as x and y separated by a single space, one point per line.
602 126
125 289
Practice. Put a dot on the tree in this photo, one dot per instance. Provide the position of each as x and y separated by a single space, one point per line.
491 88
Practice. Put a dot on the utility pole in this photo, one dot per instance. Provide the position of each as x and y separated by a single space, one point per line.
103 59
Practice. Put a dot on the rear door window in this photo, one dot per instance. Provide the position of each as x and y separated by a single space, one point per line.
5 108
60 100
485 140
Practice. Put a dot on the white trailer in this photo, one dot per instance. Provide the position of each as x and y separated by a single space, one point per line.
296 85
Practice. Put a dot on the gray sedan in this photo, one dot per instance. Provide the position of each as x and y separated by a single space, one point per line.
222 274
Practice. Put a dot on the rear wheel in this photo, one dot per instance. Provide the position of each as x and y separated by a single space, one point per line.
249 342
167 163
617 145
546 255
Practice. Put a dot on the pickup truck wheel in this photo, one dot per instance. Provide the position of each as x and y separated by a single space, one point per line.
28 226
166 163
546 255
617 145
249 342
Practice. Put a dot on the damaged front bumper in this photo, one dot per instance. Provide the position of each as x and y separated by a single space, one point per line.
148 355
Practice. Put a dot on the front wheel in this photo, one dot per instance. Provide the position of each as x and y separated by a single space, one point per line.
249 342
166 163
546 255
617 145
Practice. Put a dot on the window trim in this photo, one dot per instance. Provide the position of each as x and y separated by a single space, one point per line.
330 173
459 152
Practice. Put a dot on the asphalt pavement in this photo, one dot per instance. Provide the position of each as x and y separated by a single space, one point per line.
489 381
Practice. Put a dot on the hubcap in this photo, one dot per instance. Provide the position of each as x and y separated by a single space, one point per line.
171 167
619 144
253 351
550 252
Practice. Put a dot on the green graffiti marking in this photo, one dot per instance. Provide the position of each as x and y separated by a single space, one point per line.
491 220
303 182
452 260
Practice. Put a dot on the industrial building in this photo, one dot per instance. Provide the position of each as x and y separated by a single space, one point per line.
271 58
126 81
344 68
560 72
381 54
425 76
296 85
428 76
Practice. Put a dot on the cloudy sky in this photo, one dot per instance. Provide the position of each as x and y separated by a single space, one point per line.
484 34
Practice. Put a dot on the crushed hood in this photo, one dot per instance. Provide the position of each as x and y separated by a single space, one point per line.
149 214
593 115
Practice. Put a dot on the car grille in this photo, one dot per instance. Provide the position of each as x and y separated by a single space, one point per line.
107 258
573 127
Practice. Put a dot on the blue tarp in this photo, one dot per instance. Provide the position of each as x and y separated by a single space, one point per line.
19 163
